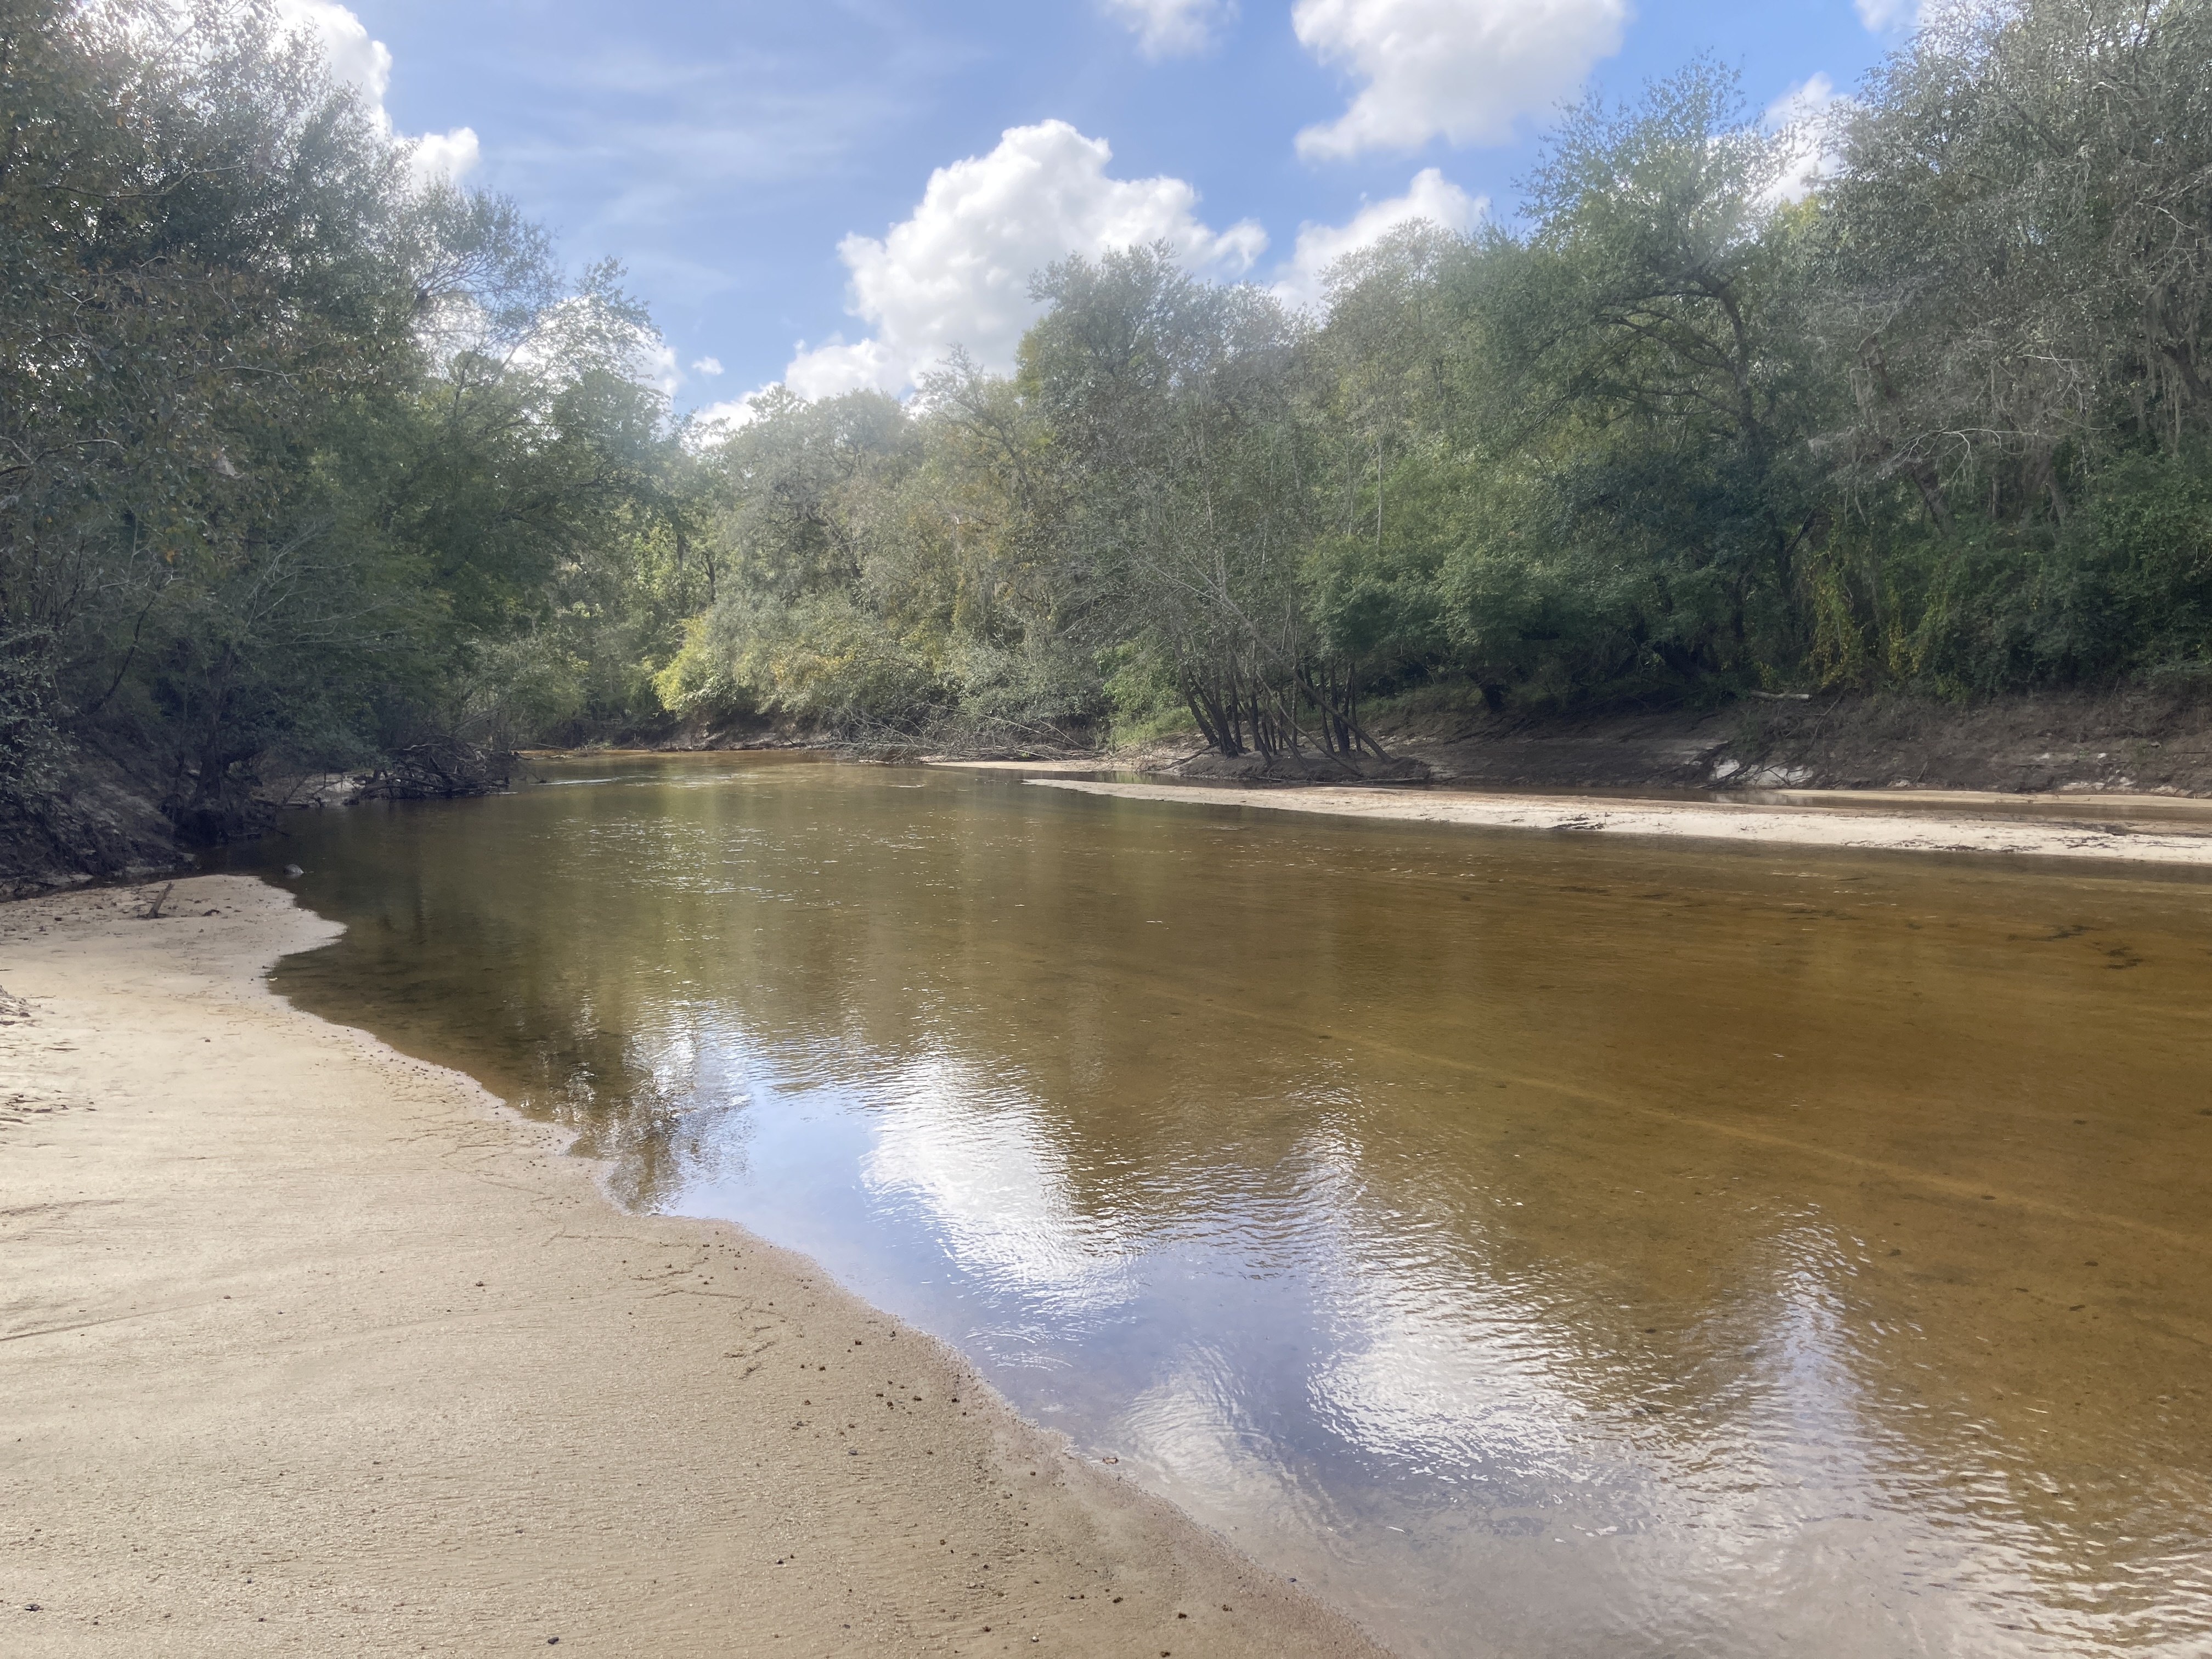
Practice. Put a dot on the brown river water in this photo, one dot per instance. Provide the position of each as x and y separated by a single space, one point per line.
1537 1244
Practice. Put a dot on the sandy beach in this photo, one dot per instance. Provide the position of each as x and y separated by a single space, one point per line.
308 1347
2109 828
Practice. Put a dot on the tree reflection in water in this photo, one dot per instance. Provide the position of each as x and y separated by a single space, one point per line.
1539 1245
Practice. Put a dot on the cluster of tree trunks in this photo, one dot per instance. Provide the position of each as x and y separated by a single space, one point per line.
1314 709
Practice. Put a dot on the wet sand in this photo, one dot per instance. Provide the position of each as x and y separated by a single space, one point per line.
308 1347
1859 821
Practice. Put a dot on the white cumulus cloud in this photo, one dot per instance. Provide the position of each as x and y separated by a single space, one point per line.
654 364
711 422
1806 101
1461 69
708 366
443 154
1174 28
1797 115
957 272
1302 277
358 60
1883 15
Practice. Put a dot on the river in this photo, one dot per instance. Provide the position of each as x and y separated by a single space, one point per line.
1536 1245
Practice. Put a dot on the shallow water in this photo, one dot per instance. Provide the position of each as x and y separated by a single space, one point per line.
1537 1244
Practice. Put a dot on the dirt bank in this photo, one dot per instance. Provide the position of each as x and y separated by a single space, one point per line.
97 820
2076 827
2127 739
306 1348
2120 740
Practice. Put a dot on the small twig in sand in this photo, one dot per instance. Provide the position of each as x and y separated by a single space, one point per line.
153 912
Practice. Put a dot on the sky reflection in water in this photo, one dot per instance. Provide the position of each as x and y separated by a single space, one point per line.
1539 1245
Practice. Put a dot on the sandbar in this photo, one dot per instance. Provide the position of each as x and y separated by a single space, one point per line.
1986 825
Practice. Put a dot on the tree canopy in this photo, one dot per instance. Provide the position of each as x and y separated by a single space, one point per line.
304 464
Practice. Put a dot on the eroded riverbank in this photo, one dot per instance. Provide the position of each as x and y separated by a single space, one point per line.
307 1346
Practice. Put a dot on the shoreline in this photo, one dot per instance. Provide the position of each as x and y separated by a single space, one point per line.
1856 821
308 1345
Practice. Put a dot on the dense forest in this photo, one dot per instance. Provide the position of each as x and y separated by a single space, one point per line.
311 465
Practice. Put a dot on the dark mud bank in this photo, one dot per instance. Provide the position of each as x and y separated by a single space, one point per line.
2120 741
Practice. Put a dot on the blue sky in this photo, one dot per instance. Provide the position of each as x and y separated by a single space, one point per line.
765 170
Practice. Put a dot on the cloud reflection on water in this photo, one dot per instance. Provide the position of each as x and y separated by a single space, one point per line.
1421 1208
979 1159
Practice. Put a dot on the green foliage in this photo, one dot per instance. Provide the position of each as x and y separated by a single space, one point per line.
2151 522
877 570
2123 587
820 657
302 464
1939 421
1141 695
31 746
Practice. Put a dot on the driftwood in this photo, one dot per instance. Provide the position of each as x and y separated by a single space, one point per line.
153 912
440 769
